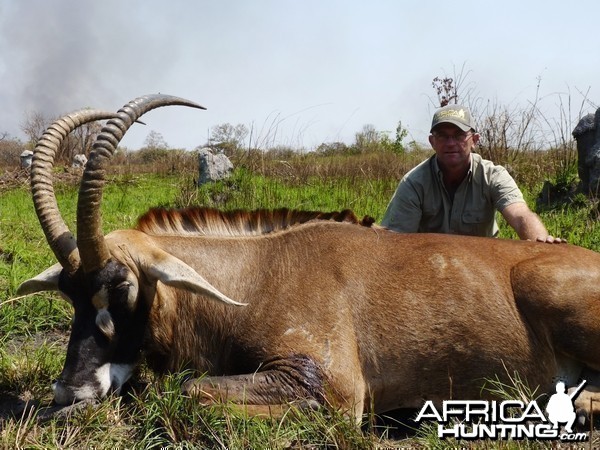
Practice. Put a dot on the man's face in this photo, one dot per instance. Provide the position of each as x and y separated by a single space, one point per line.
452 145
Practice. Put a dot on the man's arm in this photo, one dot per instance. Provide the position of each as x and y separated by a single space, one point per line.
527 224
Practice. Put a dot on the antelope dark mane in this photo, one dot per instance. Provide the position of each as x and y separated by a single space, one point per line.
212 222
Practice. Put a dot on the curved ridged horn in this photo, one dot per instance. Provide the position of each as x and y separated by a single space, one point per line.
57 233
90 240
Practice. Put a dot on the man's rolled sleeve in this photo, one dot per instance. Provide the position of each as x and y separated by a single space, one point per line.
403 213
504 189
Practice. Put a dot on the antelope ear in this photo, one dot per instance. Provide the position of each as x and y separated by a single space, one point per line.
172 271
45 281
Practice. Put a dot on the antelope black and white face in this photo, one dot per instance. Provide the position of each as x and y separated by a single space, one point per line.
107 333
110 320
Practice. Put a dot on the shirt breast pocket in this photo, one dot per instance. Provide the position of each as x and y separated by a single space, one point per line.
477 222
430 212
475 217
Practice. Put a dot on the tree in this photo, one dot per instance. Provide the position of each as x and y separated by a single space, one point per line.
395 146
446 90
155 141
367 139
34 126
155 148
227 137
450 90
78 142
10 151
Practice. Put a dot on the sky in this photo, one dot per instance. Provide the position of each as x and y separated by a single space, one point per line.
297 73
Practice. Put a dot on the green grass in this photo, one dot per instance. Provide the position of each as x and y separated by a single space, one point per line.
158 416
577 223
247 191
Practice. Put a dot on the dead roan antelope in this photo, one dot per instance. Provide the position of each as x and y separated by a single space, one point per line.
275 308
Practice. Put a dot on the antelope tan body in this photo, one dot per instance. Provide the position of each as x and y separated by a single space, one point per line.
413 318
299 307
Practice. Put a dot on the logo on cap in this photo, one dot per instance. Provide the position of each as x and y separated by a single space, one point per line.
458 113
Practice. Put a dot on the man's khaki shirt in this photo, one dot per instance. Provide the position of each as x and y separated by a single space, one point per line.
422 204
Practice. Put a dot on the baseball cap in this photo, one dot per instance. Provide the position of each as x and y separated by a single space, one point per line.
456 115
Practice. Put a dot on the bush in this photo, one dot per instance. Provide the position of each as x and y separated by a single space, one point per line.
10 151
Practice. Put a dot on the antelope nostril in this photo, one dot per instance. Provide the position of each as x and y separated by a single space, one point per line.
66 394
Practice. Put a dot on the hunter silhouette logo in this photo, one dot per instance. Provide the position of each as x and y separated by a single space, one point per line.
560 406
507 419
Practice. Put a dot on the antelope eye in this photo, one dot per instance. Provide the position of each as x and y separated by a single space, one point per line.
126 291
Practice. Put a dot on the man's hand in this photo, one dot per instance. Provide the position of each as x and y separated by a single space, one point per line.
527 224
551 240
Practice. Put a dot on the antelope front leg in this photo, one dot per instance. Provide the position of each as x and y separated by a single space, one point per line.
268 391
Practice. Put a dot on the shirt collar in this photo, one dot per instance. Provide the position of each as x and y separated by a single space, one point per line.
474 162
